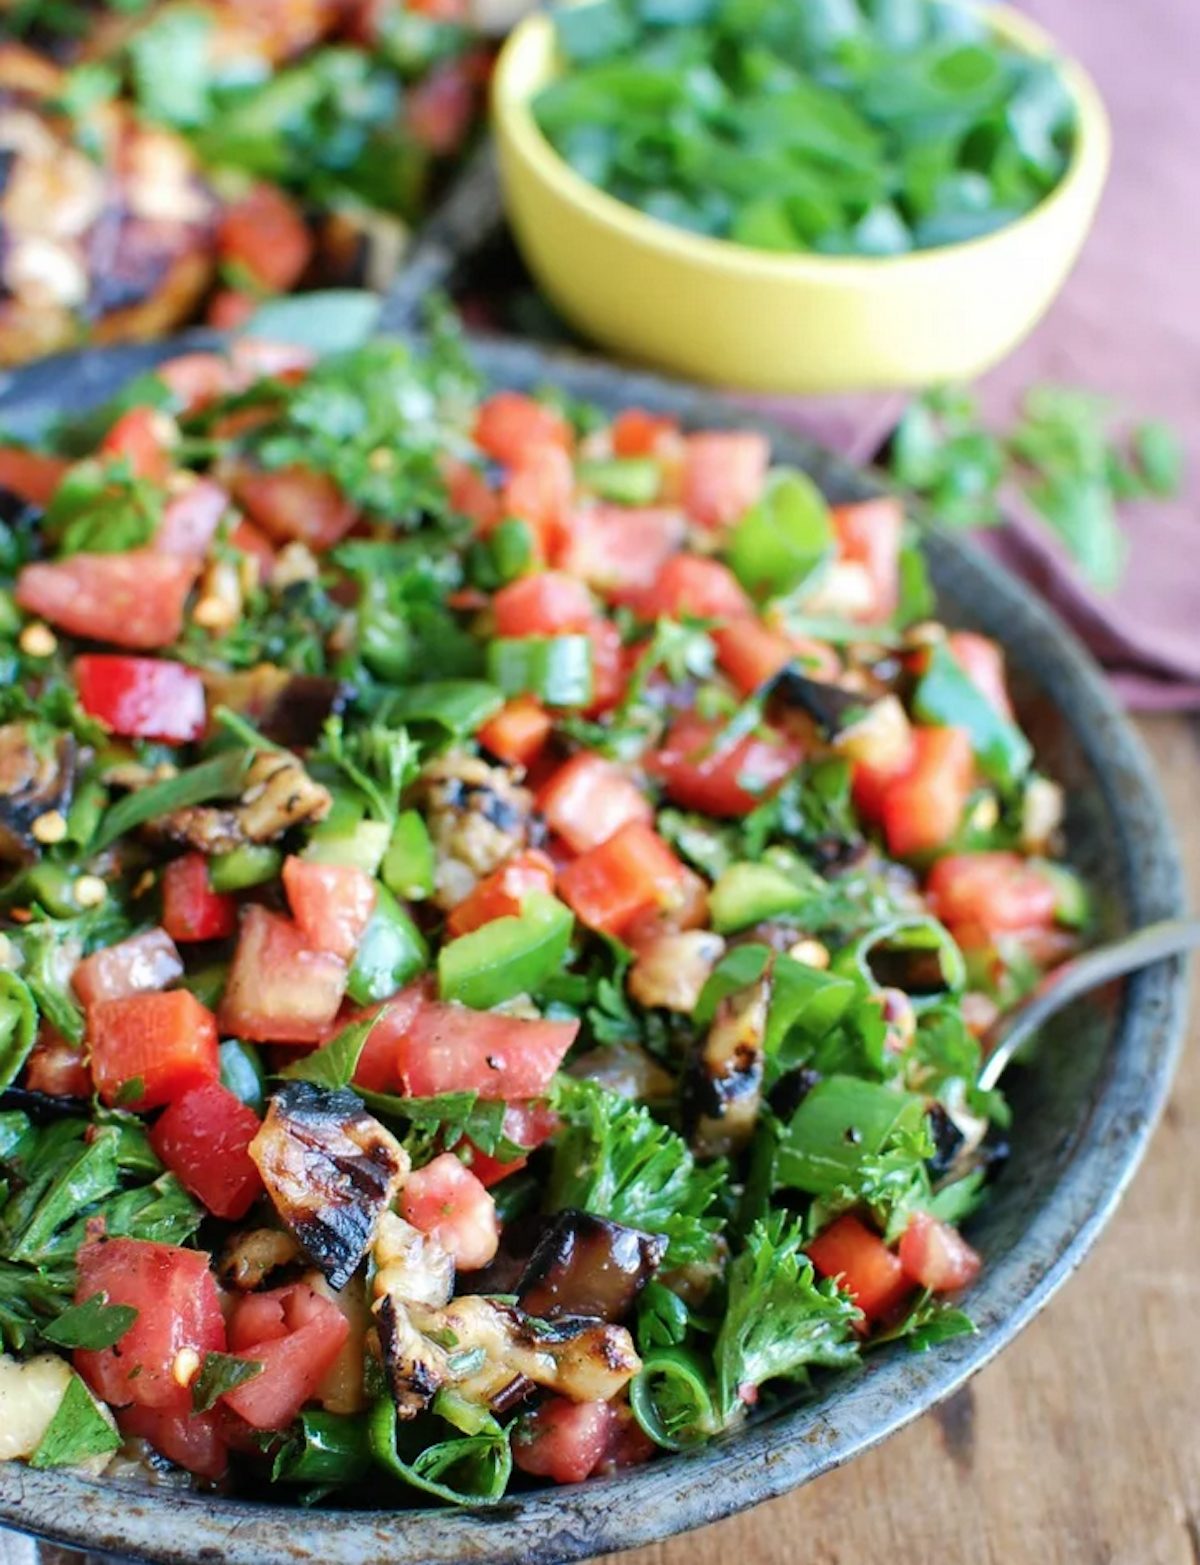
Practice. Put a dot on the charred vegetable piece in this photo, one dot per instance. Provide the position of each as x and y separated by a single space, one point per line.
832 708
724 1083
277 794
331 1172
586 1265
288 709
37 776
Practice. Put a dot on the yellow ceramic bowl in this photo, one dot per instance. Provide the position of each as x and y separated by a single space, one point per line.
719 312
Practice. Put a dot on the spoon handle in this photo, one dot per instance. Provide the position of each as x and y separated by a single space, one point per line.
1146 946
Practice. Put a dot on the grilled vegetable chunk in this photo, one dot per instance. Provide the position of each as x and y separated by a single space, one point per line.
288 709
278 794
724 1085
36 776
478 816
331 1171
586 1265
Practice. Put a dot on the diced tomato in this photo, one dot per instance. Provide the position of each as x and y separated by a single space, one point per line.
192 1440
279 989
633 872
866 1268
509 425
439 110
620 548
518 732
196 379
751 653
29 475
638 433
331 903
526 1125
133 600
202 1138
259 358
922 809
140 965
982 661
144 438
869 534
723 475
998 892
177 1307
470 494
539 491
142 698
149 1049
294 502
296 1336
692 585
446 1200
192 910
730 780
265 235
435 1047
589 799
502 893
256 546
548 603
57 1067
936 1256
563 1440
191 518
230 308
610 666
871 782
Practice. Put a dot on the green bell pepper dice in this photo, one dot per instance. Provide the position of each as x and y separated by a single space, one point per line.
507 957
392 951
408 864
555 669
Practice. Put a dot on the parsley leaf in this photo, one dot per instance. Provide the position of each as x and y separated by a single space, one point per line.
334 1063
93 1324
219 1373
78 1430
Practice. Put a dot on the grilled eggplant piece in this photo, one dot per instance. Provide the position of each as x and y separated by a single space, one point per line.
831 708
478 817
37 775
331 1171
723 1088
250 1258
277 795
288 709
586 1265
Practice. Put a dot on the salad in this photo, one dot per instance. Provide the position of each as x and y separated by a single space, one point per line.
503 908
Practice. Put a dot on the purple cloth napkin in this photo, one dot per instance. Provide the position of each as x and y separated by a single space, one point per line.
1126 325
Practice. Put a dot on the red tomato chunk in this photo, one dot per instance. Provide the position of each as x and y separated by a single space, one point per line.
589 799
280 990
937 1256
139 965
865 1267
133 600
634 872
202 1138
701 773
192 910
723 475
296 1336
331 903
447 1201
149 1049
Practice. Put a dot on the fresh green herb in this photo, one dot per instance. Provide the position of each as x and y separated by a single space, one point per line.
216 779
430 1125
77 1431
380 762
220 1373
18 1026
93 1324
472 1470
949 697
333 1065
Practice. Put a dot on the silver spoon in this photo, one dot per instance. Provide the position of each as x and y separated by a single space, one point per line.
1144 947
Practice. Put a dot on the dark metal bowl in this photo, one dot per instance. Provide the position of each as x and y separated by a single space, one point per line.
1084 1112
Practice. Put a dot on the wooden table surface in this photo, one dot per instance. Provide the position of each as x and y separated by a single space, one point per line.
1080 1445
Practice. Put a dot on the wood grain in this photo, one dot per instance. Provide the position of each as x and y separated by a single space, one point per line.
1081 1445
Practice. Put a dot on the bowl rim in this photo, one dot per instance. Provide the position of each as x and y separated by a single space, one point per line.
764 1459
518 131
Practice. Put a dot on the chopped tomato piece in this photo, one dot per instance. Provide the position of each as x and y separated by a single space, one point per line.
256 546
723 475
192 910
230 308
502 893
470 494
296 1336
142 698
518 732
509 425
589 799
446 1200
202 1138
378 1068
29 475
538 491
633 872
265 235
144 438
620 548
548 603
439 109
869 534
751 653
689 584
133 600
192 1440
279 989
936 1256
448 1048
871 781
177 1307
701 773
149 1049
982 661
196 379
638 433
865 1267
57 1067
191 518
140 965
998 892
294 502
563 1440
610 666
331 903
923 809
526 1125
